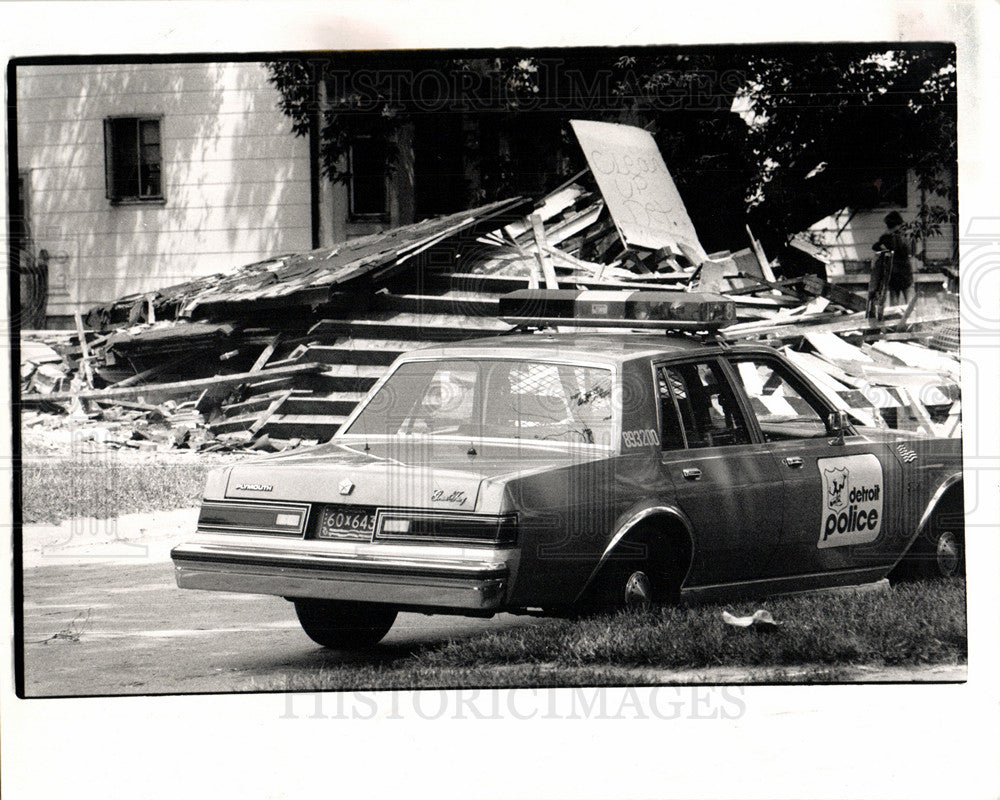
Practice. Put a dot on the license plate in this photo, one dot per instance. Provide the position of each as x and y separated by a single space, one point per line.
338 522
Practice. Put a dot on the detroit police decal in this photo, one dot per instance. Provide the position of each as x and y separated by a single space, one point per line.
852 500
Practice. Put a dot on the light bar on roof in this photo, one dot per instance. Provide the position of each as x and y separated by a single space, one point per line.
691 311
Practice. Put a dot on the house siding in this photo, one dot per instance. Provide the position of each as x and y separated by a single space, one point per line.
849 235
235 181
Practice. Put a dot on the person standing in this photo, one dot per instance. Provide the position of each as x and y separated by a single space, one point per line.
893 242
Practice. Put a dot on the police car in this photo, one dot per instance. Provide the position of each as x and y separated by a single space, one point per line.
556 472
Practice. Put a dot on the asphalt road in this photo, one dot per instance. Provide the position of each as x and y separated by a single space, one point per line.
121 628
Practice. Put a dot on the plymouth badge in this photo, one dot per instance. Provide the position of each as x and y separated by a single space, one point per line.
346 487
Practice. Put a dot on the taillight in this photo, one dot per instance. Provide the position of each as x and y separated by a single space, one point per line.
498 530
289 519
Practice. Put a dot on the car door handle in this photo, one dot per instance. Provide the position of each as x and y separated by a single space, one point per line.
692 473
793 461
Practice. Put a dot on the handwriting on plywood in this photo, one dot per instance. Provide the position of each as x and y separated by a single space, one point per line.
637 186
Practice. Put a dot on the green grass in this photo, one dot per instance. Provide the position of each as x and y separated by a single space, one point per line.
54 491
912 625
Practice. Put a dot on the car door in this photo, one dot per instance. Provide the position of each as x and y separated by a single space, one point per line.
729 487
841 509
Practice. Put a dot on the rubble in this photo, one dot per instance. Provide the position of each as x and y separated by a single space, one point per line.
276 354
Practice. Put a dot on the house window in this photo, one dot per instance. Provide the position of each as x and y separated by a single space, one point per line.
368 187
132 159
890 189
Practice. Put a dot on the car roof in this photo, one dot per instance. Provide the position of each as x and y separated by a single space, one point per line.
609 347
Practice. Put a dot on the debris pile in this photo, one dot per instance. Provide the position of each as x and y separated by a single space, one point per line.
276 354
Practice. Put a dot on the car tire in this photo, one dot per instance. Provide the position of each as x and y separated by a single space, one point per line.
343 625
626 585
937 553
945 557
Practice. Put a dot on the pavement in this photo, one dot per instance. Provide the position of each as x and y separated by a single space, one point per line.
128 539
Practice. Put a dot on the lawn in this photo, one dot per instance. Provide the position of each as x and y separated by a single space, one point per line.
58 489
912 625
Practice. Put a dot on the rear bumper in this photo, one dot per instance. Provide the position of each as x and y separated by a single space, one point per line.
459 584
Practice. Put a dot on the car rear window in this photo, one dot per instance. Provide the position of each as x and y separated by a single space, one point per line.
494 398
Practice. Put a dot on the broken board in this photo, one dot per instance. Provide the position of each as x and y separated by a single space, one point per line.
637 187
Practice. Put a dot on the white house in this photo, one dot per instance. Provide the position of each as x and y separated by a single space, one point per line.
847 236
133 177
138 176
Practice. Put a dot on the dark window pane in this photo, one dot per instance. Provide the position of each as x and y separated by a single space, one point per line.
368 173
671 436
125 155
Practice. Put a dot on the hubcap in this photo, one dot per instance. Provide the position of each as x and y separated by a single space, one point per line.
638 591
948 554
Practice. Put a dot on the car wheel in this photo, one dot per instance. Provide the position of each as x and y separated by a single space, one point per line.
949 556
619 586
342 625
939 553
638 591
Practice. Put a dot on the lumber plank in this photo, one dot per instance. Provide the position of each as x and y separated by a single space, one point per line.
84 350
544 260
270 411
266 353
177 388
838 295
758 251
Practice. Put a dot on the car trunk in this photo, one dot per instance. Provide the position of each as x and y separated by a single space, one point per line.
402 472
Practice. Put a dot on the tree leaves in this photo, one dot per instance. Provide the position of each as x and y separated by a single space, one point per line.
822 128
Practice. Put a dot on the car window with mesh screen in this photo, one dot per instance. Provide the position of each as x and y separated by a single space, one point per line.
782 408
705 404
493 398
669 388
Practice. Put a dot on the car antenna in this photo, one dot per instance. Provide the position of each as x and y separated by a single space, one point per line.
364 431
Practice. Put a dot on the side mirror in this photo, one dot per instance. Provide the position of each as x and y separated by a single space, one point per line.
837 423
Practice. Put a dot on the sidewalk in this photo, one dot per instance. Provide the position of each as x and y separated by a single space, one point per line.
131 538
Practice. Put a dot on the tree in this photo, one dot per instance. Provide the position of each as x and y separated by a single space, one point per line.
829 132
822 128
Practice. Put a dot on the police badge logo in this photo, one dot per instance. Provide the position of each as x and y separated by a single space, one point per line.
852 500
835 481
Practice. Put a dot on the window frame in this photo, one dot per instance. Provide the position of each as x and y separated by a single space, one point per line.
790 374
111 166
725 377
345 430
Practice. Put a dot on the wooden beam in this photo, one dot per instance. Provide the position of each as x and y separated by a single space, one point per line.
265 354
88 376
835 294
758 251
174 389
907 312
270 411
548 271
